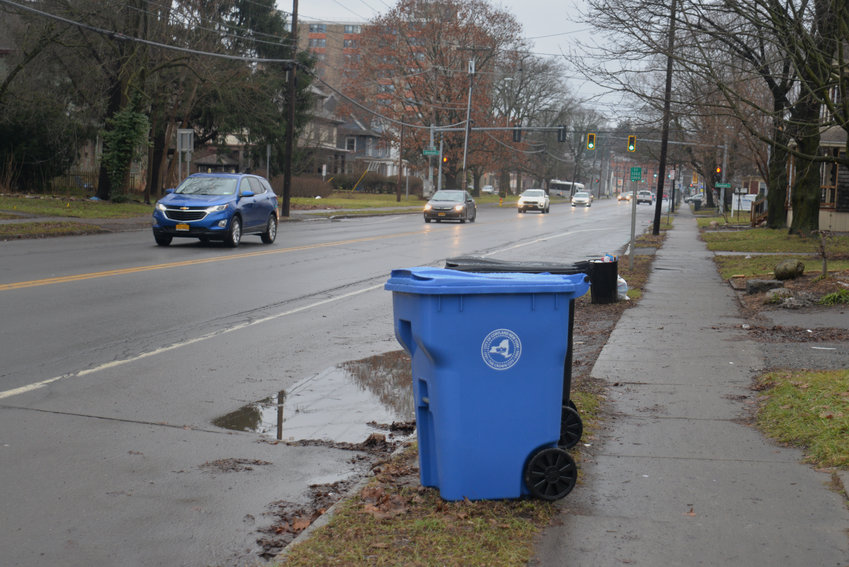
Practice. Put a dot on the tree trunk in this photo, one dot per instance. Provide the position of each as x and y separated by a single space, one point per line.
805 195
777 187
104 185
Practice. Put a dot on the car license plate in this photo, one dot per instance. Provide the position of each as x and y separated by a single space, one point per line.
182 226
440 214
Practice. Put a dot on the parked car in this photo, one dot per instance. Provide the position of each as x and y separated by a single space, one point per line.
645 197
217 206
582 198
624 196
489 189
451 204
534 200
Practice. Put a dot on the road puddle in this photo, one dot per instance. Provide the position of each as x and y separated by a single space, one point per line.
343 404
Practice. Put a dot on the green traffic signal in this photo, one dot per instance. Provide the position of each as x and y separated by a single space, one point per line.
632 143
590 141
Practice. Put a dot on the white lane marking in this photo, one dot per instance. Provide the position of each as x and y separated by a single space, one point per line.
175 346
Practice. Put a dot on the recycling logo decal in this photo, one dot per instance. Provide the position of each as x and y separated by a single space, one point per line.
501 349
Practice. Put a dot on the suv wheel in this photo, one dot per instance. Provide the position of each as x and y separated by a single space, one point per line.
270 230
234 235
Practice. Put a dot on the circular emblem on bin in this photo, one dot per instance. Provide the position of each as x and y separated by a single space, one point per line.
501 349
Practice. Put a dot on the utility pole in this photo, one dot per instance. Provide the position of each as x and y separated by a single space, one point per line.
400 165
290 117
667 103
468 120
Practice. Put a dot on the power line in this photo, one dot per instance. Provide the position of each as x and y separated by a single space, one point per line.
123 37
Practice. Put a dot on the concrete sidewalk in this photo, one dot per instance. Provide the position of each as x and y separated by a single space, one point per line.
677 477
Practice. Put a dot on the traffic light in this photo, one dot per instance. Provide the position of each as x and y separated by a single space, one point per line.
632 143
590 141
717 174
517 134
561 133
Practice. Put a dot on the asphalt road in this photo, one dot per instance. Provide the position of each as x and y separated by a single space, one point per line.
117 355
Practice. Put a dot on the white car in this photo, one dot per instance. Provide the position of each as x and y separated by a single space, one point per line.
582 198
534 200
488 189
645 197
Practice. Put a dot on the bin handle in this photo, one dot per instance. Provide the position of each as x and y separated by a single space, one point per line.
405 273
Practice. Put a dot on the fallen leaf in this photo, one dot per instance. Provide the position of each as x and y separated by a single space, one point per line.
691 513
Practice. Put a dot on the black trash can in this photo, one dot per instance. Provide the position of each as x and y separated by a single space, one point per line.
604 279
697 205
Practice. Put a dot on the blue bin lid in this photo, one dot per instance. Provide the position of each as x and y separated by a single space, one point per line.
440 281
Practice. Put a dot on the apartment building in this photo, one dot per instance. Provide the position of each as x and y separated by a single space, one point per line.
336 45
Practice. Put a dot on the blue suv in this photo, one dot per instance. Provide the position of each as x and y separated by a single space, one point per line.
217 206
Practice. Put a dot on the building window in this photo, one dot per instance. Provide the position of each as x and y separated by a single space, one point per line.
351 144
352 43
318 28
318 42
353 29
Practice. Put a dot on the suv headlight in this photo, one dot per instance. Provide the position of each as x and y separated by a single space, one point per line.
428 207
217 208
459 208
160 207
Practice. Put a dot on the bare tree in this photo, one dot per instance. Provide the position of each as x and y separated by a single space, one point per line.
790 48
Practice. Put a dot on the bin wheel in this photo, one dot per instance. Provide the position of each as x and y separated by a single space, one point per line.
571 427
572 405
551 473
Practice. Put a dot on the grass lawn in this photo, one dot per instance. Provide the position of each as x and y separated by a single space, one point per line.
808 410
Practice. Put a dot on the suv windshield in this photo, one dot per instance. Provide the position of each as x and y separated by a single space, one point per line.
534 193
207 186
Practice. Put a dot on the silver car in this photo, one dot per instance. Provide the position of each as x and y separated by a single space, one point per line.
582 198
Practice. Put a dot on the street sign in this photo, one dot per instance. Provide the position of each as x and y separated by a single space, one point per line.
722 185
430 152
636 173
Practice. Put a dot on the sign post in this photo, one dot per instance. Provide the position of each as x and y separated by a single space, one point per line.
636 176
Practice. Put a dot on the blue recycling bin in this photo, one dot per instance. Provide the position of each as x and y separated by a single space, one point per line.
488 352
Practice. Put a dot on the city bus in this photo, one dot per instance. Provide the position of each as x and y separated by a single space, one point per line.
564 188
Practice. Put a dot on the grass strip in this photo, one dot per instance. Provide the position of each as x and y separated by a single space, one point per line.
46 229
810 410
395 521
59 206
772 240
